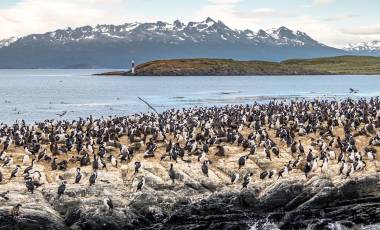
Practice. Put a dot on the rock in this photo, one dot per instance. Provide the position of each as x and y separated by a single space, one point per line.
293 204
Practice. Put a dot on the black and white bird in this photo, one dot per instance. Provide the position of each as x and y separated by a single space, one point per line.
78 176
205 168
301 148
296 162
285 170
242 160
264 175
42 155
8 162
61 189
267 153
29 168
234 177
325 165
310 157
53 164
15 212
343 168
4 195
30 185
276 151
247 179
25 159
141 184
108 204
350 170
114 161
138 165
172 173
93 178
307 169
15 171
371 155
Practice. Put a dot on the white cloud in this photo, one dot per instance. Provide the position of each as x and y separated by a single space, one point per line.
262 13
364 30
322 2
326 32
38 16
342 17
223 2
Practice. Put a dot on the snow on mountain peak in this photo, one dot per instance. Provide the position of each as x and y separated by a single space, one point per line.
371 46
176 32
7 42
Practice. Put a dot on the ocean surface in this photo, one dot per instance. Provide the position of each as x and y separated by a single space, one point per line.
35 95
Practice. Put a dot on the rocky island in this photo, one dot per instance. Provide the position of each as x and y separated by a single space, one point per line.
344 65
298 165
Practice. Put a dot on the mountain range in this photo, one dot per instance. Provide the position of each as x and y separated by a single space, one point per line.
364 48
114 46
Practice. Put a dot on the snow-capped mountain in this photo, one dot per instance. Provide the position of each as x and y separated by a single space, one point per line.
7 42
372 47
114 45
174 33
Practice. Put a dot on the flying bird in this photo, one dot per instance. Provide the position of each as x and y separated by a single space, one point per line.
62 114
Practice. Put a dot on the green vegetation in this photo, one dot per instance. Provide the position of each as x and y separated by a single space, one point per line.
218 67
345 65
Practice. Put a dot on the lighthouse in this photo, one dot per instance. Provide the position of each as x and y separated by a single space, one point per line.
133 67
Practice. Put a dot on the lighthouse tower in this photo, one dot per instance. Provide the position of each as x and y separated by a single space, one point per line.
133 67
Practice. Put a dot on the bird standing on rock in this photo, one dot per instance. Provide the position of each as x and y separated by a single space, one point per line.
93 178
78 176
205 168
307 169
30 185
15 172
172 174
242 160
4 196
247 179
138 165
8 162
108 204
141 184
61 189
15 212
234 178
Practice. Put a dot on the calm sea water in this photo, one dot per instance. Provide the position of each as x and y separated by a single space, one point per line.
36 95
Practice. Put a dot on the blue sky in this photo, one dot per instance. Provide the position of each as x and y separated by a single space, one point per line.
333 22
7 3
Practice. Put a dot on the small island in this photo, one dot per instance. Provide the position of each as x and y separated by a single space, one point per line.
342 65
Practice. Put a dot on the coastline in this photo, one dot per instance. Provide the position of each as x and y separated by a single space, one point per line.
195 201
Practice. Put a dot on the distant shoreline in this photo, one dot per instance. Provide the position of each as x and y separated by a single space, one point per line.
342 65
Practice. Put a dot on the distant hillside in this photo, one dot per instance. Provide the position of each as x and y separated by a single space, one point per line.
354 65
114 46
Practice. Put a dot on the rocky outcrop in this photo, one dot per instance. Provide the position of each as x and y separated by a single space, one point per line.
291 203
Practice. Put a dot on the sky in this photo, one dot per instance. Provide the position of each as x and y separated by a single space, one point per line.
332 22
